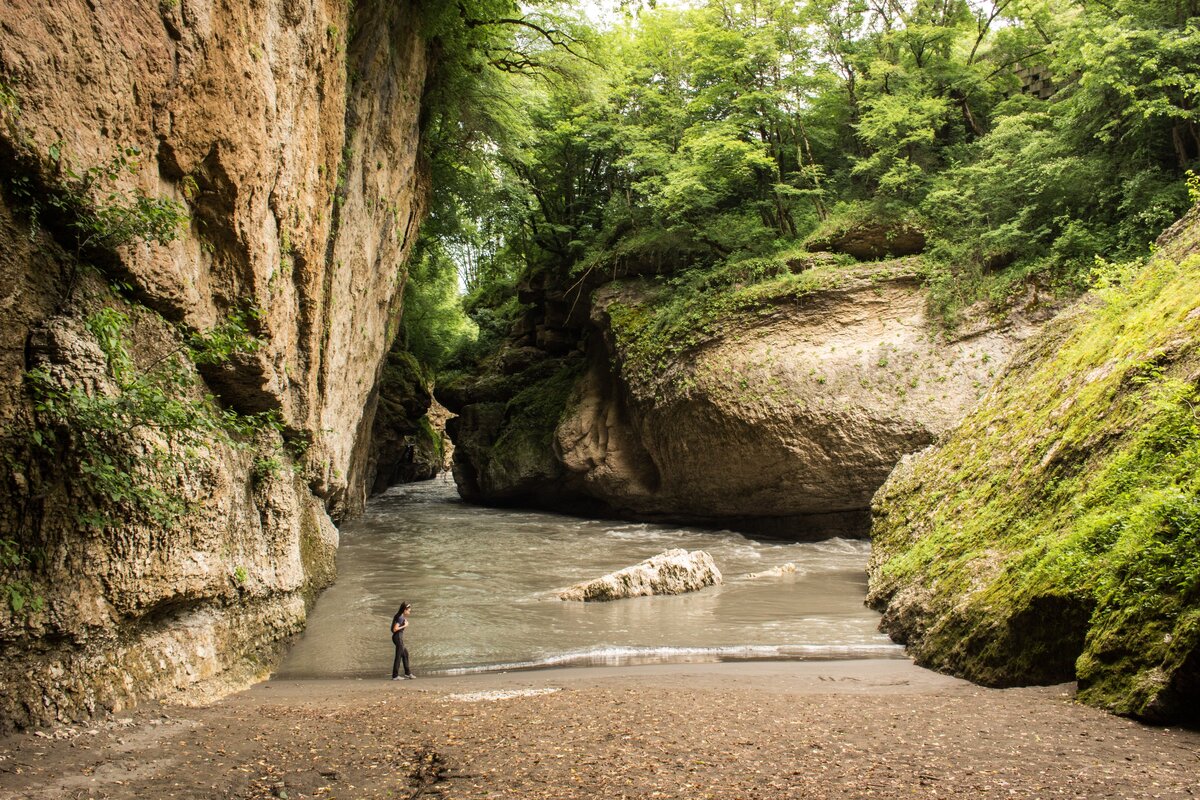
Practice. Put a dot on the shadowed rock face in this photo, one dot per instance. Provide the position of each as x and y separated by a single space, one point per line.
304 193
673 572
784 421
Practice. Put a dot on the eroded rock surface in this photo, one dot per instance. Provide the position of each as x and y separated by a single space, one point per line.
303 192
672 572
871 240
783 418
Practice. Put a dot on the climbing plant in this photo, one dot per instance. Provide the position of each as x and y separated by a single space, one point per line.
121 442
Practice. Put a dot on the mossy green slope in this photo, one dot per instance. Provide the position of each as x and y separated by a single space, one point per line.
1055 534
653 335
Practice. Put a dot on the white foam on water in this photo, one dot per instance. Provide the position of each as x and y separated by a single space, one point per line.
625 656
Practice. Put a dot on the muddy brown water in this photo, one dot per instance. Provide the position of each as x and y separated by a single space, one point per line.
480 579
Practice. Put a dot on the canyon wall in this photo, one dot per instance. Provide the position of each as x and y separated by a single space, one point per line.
287 132
776 406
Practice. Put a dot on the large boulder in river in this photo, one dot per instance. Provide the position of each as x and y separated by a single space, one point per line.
673 572
775 406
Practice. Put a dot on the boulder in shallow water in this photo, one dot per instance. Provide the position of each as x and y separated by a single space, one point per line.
672 572
774 572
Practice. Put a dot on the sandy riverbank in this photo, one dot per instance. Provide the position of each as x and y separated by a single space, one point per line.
834 729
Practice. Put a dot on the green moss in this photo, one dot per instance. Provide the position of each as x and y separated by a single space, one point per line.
695 308
429 440
1056 533
532 416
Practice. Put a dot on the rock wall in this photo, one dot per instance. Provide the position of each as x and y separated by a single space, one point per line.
408 437
780 412
1054 534
288 130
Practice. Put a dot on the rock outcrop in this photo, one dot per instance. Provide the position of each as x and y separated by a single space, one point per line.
868 241
672 572
1053 535
408 438
288 133
777 407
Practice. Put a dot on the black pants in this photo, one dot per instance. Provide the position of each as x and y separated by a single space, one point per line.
401 655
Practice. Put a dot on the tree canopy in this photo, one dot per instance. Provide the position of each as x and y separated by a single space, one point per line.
693 137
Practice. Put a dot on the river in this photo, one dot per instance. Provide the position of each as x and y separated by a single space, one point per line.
479 581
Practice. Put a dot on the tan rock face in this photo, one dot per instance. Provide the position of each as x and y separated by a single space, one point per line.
672 572
304 193
802 413
785 420
873 240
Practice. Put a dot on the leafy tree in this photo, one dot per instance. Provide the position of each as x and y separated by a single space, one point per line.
695 137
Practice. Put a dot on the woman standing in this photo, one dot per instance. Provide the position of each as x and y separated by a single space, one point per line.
399 623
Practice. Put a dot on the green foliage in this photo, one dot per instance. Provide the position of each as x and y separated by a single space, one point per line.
93 210
232 335
121 440
730 131
266 467
9 103
1074 487
18 590
435 327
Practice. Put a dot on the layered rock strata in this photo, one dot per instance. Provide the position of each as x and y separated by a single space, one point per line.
288 133
778 406
672 572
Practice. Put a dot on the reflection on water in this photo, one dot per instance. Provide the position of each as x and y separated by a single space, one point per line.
479 580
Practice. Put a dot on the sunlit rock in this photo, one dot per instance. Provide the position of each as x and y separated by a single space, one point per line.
673 572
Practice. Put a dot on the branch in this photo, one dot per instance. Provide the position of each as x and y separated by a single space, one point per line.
1015 61
555 36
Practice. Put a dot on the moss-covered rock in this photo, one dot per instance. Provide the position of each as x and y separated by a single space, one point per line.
1055 534
504 449
408 439
772 394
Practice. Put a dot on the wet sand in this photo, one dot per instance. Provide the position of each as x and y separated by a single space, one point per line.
823 729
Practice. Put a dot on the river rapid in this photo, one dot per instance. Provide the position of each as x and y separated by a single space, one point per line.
479 580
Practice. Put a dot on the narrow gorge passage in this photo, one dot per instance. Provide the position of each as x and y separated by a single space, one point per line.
479 580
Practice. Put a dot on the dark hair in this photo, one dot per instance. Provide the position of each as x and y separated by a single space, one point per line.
403 607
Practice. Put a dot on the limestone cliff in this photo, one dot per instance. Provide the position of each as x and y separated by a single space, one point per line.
287 131
777 405
1055 534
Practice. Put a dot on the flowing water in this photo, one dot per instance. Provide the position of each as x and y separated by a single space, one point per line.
480 579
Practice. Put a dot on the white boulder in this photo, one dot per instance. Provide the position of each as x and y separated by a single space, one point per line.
673 572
